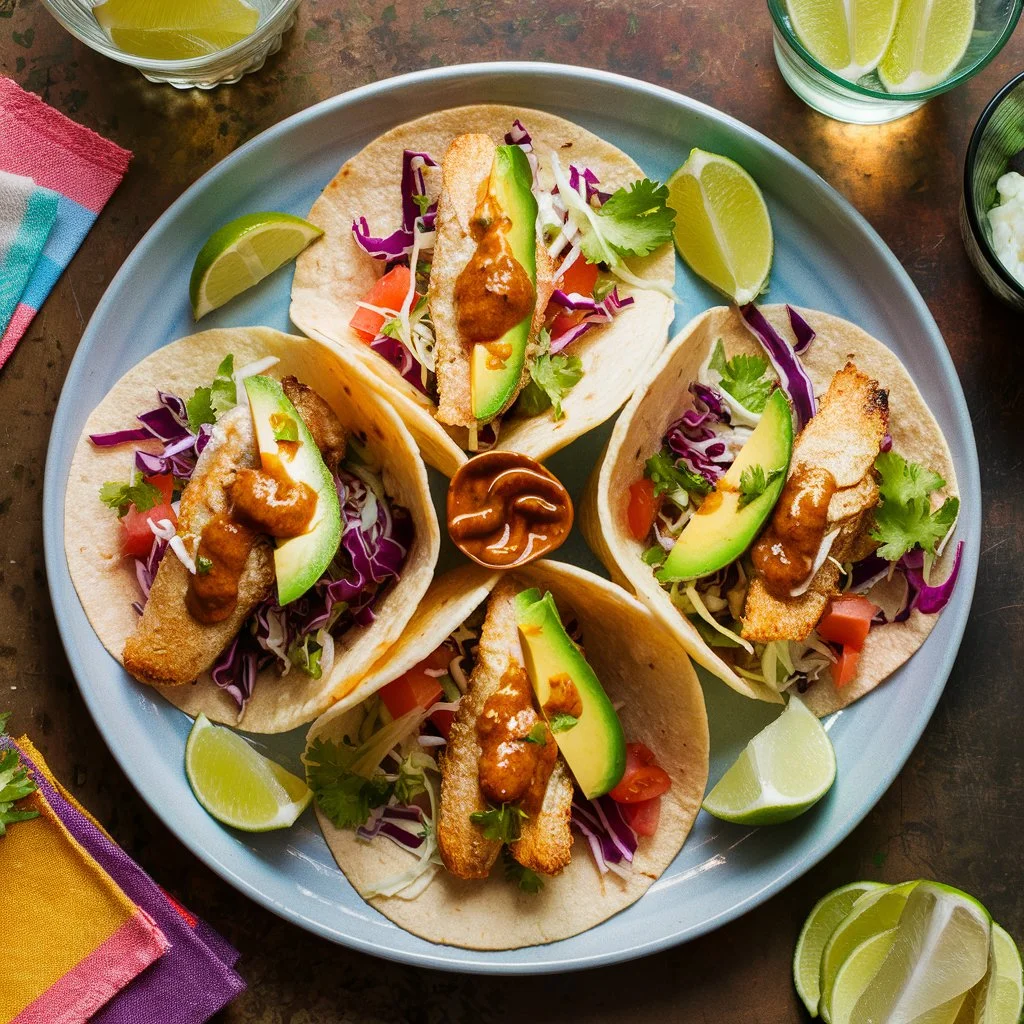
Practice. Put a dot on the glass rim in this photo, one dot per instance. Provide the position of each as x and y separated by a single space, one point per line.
973 146
777 10
182 65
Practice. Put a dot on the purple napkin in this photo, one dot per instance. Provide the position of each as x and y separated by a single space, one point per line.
194 978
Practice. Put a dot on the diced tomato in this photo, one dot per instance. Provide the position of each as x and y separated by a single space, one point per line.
565 321
642 508
580 278
642 780
845 668
643 817
416 689
847 620
136 536
164 483
443 721
389 293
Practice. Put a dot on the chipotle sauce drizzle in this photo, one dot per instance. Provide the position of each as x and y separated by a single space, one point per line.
784 554
493 292
505 509
512 767
263 501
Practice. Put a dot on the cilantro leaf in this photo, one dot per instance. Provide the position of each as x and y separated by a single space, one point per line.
551 379
667 476
346 798
754 482
423 202
745 377
203 565
120 496
654 556
527 879
15 784
285 428
563 722
904 520
199 409
502 824
411 780
206 404
538 734
634 221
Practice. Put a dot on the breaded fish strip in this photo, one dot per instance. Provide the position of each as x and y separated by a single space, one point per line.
169 646
327 430
844 437
546 841
465 170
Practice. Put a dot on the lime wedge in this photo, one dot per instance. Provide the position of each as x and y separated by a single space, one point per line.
849 37
940 952
823 919
788 766
238 786
723 230
999 998
929 42
876 911
244 252
858 969
176 29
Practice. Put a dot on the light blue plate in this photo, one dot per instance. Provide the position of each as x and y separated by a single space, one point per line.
826 256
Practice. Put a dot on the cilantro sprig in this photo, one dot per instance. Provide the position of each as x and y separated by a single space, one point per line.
633 221
501 824
745 377
904 520
206 404
120 496
563 722
345 797
552 377
667 476
754 481
15 784
527 879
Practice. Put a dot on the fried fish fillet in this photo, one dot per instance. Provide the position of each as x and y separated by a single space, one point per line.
465 170
546 841
169 646
844 437
327 430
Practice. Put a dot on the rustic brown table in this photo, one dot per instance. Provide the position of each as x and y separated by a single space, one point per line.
955 812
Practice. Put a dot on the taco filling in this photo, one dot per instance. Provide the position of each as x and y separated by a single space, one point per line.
496 746
260 531
786 526
495 274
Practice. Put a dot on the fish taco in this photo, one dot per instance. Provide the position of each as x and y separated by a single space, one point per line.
528 778
505 275
780 495
248 526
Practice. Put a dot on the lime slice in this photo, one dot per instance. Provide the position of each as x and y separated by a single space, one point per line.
823 919
244 252
858 969
238 786
788 766
849 37
876 911
176 29
929 42
939 954
723 230
999 998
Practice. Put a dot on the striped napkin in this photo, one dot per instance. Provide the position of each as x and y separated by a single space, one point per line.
27 213
87 935
81 167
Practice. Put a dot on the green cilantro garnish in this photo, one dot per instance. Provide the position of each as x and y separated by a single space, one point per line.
204 565
551 379
285 429
120 496
662 470
423 202
904 519
525 878
538 734
653 556
392 328
411 780
15 784
206 404
754 482
562 722
634 221
346 798
745 377
502 824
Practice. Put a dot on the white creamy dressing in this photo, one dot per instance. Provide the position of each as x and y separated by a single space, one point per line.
1007 221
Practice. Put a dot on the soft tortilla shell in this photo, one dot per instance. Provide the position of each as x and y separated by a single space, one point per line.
638 663
334 273
665 397
106 582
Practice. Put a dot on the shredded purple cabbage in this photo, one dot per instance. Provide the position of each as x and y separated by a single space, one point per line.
591 180
397 247
929 600
601 823
692 440
401 359
517 135
601 313
387 821
792 375
803 331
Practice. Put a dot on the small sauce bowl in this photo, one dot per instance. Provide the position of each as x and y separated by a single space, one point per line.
506 510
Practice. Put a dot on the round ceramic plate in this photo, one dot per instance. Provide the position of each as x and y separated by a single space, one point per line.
826 257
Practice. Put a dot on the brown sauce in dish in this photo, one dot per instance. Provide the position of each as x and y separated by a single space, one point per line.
563 698
263 501
493 292
784 554
511 767
505 509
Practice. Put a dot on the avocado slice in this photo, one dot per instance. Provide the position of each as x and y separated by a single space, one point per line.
510 186
281 434
721 531
594 748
